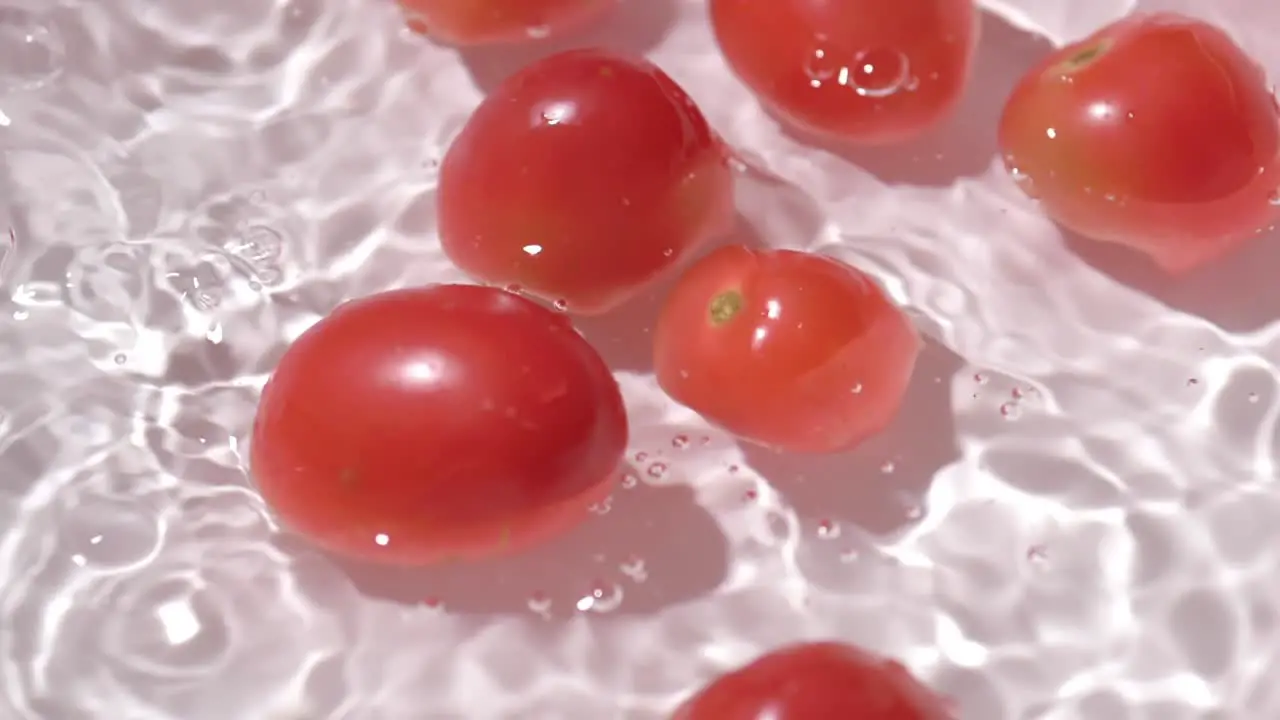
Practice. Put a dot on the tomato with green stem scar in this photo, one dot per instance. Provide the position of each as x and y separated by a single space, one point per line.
1157 132
792 350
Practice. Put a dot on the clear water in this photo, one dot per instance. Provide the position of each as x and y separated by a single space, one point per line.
1075 516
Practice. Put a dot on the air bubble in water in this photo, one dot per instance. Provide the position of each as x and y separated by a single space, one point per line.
680 442
561 305
629 480
1010 411
658 471
32 51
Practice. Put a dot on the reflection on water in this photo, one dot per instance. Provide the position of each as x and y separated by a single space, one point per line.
1074 515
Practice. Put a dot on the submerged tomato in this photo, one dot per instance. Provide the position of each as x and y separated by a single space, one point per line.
580 179
487 22
864 71
436 423
791 350
1157 132
816 681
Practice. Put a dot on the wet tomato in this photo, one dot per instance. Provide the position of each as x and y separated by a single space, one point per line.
787 349
580 179
1157 132
445 422
487 22
859 71
816 681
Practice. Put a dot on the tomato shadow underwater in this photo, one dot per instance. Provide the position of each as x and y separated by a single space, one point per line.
645 548
633 28
963 144
1236 292
880 486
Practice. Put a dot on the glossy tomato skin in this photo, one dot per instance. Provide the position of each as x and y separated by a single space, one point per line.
816 681
580 179
437 423
470 23
790 350
855 71
1157 132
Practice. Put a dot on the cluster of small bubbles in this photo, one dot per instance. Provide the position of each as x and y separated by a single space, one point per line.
657 470
874 73
680 442
603 597
828 530
32 52
258 249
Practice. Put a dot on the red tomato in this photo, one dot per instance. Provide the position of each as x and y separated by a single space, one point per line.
862 71
787 349
816 681
487 22
437 423
1157 132
580 179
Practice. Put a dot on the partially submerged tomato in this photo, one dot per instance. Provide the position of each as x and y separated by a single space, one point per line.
1157 132
490 22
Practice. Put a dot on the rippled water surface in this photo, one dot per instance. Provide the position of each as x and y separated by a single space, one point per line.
1074 517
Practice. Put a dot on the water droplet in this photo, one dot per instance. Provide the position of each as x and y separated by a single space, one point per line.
538 32
602 598
1274 197
641 456
539 604
828 530
856 389
668 252
980 378
601 508
514 289
561 305
680 442
120 359
32 52
1011 411
630 480
888 467
657 470
633 567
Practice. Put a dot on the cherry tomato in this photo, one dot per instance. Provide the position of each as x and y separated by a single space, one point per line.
816 681
486 22
444 422
860 71
787 349
1157 132
582 178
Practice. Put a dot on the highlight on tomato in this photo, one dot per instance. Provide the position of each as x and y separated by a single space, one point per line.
581 179
855 71
470 23
1157 132
792 350
816 681
437 423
